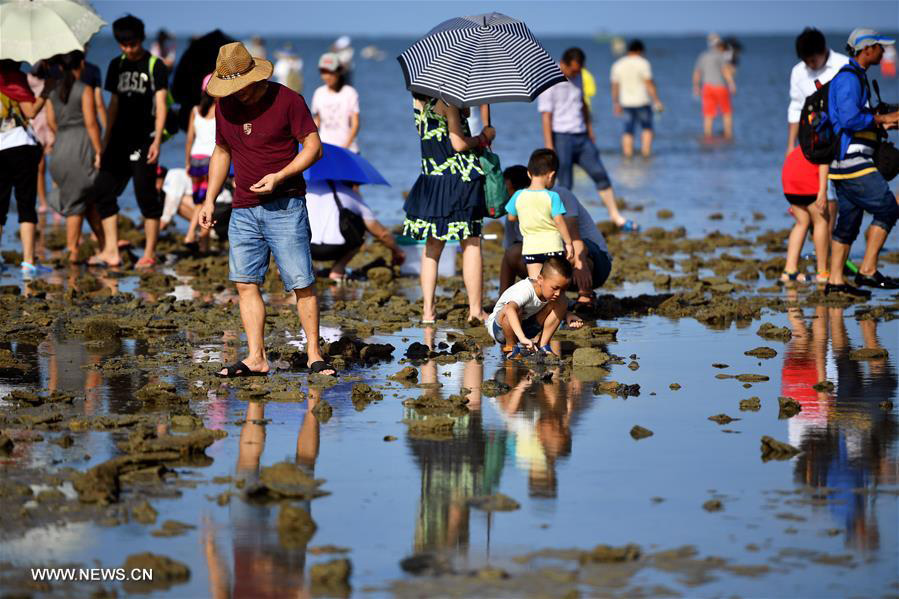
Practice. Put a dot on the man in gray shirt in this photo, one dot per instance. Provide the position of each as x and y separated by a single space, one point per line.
715 73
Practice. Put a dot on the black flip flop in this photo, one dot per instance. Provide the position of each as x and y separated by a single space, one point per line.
237 370
318 366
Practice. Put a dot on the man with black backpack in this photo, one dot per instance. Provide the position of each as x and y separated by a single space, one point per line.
136 119
859 186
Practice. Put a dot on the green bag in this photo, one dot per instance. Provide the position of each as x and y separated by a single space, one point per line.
495 193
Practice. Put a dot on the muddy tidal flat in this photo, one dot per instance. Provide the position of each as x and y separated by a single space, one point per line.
709 433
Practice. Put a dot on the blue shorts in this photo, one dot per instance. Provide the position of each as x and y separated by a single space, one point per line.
641 115
278 227
530 326
578 148
868 193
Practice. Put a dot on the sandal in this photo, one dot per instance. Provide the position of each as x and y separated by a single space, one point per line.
318 366
515 354
238 370
822 277
546 349
145 262
630 226
793 277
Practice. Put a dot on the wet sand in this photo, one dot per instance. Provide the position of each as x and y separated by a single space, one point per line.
710 432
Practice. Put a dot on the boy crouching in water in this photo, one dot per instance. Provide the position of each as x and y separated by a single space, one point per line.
530 311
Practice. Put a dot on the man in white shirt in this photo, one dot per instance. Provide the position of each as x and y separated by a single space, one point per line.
816 63
635 96
568 130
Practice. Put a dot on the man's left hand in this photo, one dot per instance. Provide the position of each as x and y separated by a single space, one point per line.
153 153
267 184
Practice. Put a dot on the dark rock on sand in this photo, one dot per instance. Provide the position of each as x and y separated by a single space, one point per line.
284 480
6 445
769 331
674 386
407 374
764 353
789 407
589 356
604 554
172 528
331 579
493 388
752 378
159 392
363 394
322 411
494 503
713 505
722 418
868 353
772 449
638 432
166 572
753 404
144 513
295 527
418 351
434 428
823 386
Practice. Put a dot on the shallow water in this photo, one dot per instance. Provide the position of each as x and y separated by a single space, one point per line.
557 448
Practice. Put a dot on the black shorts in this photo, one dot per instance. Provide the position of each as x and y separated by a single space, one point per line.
541 258
119 165
602 264
800 200
327 252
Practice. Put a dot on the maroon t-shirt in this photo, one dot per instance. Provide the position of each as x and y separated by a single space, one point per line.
263 139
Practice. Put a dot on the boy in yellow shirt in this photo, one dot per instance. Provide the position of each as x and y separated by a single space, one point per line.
539 213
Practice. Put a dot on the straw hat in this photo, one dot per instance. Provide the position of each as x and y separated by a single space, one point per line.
235 69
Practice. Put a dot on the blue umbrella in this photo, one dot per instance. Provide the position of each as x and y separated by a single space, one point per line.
339 164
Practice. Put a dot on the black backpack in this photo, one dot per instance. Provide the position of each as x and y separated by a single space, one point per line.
352 226
819 140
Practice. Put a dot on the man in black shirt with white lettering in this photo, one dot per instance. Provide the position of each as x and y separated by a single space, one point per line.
136 117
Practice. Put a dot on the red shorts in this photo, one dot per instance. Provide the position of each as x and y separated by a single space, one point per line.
715 100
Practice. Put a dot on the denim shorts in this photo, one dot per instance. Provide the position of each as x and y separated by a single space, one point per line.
578 148
530 326
639 115
278 227
868 193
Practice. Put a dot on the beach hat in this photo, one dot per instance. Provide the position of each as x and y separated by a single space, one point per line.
342 42
862 37
235 69
329 62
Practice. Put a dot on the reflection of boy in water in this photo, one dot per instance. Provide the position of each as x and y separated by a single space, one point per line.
262 567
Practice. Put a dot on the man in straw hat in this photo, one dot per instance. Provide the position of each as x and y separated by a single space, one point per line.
258 123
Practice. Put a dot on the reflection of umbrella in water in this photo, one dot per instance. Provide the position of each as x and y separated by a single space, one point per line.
481 59
32 30
340 164
196 62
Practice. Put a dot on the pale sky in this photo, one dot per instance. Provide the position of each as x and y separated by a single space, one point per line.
376 18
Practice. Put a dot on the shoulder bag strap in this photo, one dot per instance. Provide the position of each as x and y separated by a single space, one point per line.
334 193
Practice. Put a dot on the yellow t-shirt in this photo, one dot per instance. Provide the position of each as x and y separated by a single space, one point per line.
535 210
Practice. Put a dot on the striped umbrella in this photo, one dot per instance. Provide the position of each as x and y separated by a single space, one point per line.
482 59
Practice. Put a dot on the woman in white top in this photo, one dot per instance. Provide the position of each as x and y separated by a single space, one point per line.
198 149
335 105
19 156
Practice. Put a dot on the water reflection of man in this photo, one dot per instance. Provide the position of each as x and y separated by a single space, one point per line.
262 566
854 445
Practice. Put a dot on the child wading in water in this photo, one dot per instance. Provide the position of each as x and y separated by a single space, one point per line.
540 214
531 310
805 187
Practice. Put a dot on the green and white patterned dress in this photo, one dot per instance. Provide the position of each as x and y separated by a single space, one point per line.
447 200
